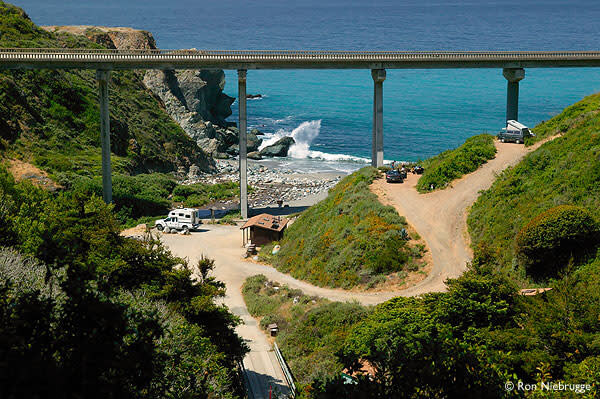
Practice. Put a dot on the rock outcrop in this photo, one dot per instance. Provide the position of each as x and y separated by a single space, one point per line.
279 149
193 98
113 38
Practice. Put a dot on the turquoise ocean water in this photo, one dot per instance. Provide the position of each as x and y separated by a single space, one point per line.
329 112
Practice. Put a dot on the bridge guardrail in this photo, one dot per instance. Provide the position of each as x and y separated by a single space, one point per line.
313 55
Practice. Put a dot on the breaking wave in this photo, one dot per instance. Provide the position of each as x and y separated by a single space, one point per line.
304 135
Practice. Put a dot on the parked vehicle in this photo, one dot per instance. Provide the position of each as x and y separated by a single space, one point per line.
418 170
183 219
403 172
393 176
515 132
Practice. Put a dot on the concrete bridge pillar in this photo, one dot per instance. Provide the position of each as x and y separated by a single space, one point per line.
243 132
377 145
103 77
513 76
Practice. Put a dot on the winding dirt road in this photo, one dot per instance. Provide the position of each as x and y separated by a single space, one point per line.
439 217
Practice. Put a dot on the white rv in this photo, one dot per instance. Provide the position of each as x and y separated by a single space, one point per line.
514 131
186 219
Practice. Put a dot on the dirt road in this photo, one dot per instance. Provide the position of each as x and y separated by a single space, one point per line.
440 217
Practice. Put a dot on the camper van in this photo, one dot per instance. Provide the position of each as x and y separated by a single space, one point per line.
184 219
514 131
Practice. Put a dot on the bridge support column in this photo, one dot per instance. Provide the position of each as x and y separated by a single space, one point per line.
103 78
243 133
513 76
377 145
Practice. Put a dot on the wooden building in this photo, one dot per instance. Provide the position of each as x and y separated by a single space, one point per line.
263 229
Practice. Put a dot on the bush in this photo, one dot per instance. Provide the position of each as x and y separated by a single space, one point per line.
351 235
549 240
442 169
563 171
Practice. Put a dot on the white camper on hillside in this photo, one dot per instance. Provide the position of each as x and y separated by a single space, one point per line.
514 131
182 219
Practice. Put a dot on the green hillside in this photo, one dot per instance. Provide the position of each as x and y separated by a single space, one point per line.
450 165
51 118
349 238
565 171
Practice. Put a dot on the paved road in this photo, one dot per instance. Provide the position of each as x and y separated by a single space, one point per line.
223 243
16 58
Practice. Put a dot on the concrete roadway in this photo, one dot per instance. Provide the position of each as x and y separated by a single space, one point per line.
224 245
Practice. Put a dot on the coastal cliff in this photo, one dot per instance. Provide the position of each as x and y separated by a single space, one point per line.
193 98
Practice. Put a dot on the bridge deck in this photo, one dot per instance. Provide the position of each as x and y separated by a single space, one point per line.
246 59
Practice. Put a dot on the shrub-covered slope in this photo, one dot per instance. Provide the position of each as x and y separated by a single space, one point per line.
347 239
450 165
565 171
51 118
86 312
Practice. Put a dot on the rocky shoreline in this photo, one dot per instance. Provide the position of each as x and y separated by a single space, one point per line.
269 184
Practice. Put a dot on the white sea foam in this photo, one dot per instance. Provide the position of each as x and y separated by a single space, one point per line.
304 135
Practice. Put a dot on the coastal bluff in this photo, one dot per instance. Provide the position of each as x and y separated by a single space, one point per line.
193 98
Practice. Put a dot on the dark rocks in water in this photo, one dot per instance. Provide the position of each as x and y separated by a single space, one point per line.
257 132
253 142
252 96
279 149
254 155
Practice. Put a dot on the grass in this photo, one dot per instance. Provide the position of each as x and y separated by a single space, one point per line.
450 165
311 329
565 171
144 197
348 239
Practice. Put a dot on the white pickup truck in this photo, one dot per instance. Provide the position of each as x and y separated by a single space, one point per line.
183 219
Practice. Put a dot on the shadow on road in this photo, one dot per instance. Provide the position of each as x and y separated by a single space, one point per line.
261 383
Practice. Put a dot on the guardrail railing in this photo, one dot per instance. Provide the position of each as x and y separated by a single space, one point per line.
314 55
286 371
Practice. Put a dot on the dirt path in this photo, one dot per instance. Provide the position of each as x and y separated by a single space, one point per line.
440 217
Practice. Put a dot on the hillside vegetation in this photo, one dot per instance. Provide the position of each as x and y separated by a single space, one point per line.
349 238
480 332
565 171
51 118
85 312
139 197
450 165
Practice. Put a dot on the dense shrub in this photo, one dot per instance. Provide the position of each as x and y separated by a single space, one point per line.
549 240
194 195
141 196
442 169
347 239
563 171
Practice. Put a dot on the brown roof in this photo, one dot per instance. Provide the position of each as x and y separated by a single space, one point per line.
267 222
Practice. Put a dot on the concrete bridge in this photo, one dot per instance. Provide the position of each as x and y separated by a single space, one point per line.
512 63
